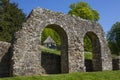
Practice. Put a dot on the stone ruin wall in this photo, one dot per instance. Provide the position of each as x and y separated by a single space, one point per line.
4 59
26 59
51 62
116 63
71 30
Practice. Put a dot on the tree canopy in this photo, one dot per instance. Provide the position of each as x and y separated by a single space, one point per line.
83 10
11 19
113 38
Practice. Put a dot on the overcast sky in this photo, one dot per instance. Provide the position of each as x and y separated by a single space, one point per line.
109 9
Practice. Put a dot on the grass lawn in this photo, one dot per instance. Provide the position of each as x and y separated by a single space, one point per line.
114 56
88 55
51 51
105 75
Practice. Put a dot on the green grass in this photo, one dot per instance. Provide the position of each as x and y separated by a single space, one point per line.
88 55
114 56
51 51
105 75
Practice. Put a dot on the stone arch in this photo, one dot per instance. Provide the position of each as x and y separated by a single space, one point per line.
96 63
64 47
26 49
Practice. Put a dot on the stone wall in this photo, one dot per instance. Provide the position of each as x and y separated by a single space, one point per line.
51 63
4 59
116 63
72 30
89 65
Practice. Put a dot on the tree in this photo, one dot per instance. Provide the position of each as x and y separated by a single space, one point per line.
113 38
83 10
11 19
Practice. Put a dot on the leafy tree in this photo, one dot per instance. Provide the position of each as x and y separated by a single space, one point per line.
11 19
83 10
113 38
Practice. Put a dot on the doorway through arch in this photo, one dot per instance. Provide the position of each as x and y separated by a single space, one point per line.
52 63
95 63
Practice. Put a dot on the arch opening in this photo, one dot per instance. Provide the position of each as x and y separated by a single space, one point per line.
57 61
94 63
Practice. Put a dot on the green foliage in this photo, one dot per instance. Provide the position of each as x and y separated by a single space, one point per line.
54 35
87 44
11 19
83 10
105 75
113 38
96 15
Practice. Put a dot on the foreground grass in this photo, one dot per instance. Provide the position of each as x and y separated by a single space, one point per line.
105 75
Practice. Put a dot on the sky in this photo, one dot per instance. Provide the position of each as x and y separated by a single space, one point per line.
109 10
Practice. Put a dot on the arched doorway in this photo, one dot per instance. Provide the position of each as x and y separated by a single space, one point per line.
95 63
52 63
